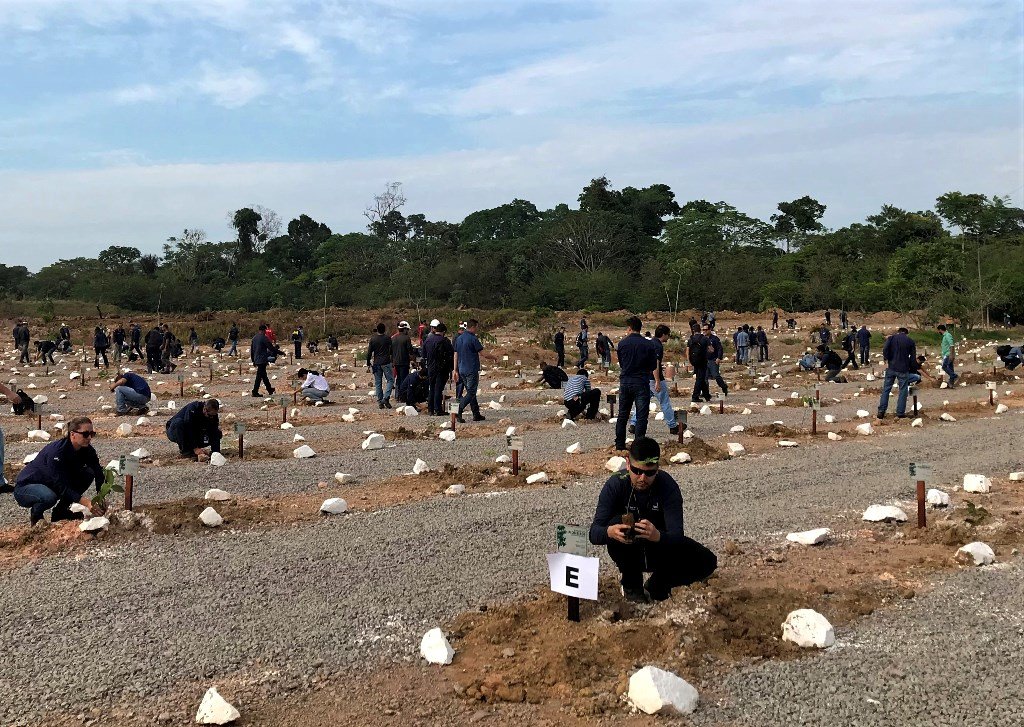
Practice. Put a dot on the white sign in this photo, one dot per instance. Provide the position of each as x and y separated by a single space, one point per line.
515 443
453 407
573 575
128 465
504 358
571 539
239 427
920 472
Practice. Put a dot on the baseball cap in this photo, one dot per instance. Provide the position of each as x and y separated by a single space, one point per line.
403 324
435 323
462 325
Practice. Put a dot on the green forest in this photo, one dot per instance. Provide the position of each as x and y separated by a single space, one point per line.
630 248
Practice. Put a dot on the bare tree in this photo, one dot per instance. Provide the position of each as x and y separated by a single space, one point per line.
267 228
381 212
584 242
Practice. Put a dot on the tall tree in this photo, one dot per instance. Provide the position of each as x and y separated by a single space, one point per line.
246 222
798 219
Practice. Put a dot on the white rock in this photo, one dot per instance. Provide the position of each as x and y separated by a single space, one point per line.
884 513
680 458
211 518
39 435
946 417
1002 409
217 459
106 407
341 477
141 421
746 412
943 385
937 498
652 689
568 424
977 483
141 453
538 477
687 434
810 537
502 459
303 452
123 429
294 412
374 441
318 402
74 375
835 437
93 524
419 467
348 418
869 377
215 494
434 647
39 398
830 419
736 429
334 506
172 405
865 429
494 405
919 422
615 464
863 414
353 410
455 490
705 410
447 435
574 448
510 432
788 443
214 709
1016 476
287 425
659 417
769 402
807 628
410 411
298 438
736 449
977 553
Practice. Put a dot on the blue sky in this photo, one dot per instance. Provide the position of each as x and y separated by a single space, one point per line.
125 121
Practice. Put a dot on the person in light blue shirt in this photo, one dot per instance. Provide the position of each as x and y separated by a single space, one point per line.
467 369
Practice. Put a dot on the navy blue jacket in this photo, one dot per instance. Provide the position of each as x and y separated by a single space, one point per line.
66 471
898 352
637 359
136 383
260 349
195 427
864 336
661 503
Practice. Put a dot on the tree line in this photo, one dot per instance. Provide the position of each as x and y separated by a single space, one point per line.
630 248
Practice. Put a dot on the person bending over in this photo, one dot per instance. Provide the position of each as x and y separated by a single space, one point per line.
552 376
195 428
60 475
640 518
132 393
315 387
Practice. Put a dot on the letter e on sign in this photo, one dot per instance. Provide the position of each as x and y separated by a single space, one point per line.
573 575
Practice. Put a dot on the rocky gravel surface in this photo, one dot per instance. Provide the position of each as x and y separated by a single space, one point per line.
285 606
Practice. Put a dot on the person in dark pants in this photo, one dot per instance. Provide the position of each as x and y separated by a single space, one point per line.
553 376
640 518
22 337
583 344
154 346
193 340
100 344
118 336
378 360
637 359
715 355
196 427
828 320
579 397
402 352
233 337
697 351
467 369
60 475
260 351
775 319
439 366
560 346
135 334
864 340
414 387
830 361
297 336
848 346
899 353
46 349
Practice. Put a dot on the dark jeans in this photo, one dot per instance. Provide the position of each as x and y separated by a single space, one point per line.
152 359
850 359
234 349
865 351
187 441
670 565
762 352
471 381
47 355
584 356
400 373
701 392
715 372
24 354
589 400
561 357
101 352
435 399
630 394
298 349
261 378
832 374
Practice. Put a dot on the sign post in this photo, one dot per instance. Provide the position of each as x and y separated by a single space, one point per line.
453 410
129 467
681 416
721 402
181 385
284 410
573 575
240 431
571 539
611 405
519 369
515 444
920 473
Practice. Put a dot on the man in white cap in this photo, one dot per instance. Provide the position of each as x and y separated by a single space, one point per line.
402 353
427 354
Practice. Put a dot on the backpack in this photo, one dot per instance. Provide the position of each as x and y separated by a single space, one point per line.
698 349
443 356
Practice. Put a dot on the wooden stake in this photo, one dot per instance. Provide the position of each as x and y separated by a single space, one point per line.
241 445
921 516
515 462
129 483
574 609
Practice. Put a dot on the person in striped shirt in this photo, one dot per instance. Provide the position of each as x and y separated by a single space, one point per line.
578 395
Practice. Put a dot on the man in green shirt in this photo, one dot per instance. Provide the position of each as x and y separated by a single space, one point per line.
948 355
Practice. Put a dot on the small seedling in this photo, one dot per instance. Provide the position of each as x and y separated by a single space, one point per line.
975 515
109 485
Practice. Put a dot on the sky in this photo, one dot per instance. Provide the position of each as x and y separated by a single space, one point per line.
123 122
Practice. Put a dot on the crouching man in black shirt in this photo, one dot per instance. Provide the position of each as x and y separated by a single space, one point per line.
640 518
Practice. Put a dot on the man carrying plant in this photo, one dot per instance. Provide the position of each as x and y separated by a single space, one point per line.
60 475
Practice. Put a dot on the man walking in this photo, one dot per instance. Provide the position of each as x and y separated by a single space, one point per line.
828 320
848 343
378 359
193 340
154 349
23 337
948 355
742 346
762 344
118 336
637 359
402 352
899 353
560 346
260 351
697 351
661 394
233 337
715 354
135 333
467 369
844 319
582 343
864 340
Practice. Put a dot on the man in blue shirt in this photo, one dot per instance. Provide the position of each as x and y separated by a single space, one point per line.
132 393
640 518
899 353
637 359
864 341
662 395
467 369
194 428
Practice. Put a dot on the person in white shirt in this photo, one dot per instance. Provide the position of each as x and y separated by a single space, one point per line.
315 387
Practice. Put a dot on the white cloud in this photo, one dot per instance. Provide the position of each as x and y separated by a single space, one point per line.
231 89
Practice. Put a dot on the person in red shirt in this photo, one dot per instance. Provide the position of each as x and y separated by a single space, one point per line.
271 335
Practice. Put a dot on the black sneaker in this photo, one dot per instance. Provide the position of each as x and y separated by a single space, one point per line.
380 404
631 429
271 392
387 403
479 418
674 430
880 415
459 419
655 591
6 487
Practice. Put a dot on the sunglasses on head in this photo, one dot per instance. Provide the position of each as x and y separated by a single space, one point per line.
86 434
642 472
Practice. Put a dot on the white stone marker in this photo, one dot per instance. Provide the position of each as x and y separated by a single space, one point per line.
680 458
334 506
303 452
214 709
447 435
94 524
434 647
374 441
652 689
807 628
217 459
937 498
419 467
810 537
977 553
736 449
615 464
211 518
217 495
977 483
884 513
538 477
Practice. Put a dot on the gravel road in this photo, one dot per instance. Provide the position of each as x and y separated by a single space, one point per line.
135 622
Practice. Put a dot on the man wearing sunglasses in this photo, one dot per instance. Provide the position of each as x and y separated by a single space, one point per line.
640 518
60 475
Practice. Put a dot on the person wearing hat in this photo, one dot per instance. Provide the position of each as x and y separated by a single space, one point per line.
560 346
809 362
467 369
402 353
427 354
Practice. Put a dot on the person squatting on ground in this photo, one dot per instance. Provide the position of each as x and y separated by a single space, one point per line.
637 359
640 518
831 362
13 399
948 355
414 387
378 360
662 392
196 427
131 393
899 353
552 376
1011 356
260 351
60 475
314 386
467 369
579 397
808 362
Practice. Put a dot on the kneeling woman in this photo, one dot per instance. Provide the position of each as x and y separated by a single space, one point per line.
315 387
